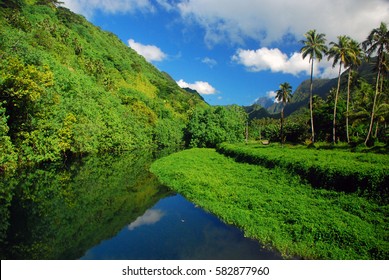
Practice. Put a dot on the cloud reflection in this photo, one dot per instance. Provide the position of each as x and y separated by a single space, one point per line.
150 217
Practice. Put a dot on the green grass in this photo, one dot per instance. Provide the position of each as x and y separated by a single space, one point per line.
364 173
277 208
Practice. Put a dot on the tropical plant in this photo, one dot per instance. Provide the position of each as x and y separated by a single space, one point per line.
284 94
353 60
339 52
376 43
314 47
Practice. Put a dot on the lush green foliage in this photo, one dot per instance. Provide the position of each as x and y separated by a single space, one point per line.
364 173
278 208
211 126
295 129
363 118
67 87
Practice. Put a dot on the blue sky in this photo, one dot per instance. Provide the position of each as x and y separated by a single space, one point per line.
232 52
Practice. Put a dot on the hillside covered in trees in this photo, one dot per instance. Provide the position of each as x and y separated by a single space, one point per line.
67 87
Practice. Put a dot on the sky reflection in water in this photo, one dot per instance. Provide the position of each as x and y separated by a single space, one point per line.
178 230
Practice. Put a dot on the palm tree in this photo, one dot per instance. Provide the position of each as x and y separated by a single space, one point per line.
353 60
314 46
339 52
377 42
284 94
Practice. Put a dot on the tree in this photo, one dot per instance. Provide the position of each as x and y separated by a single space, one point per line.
12 4
339 52
377 42
314 47
353 60
52 3
283 95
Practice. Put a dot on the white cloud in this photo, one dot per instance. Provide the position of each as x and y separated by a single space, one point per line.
270 20
276 61
265 20
200 86
273 60
209 61
166 5
88 7
150 217
271 94
149 52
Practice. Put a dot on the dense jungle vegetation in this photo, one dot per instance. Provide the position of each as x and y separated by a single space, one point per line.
69 88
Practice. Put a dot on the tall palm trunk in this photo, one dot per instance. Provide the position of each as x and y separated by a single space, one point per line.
348 104
311 103
374 102
282 124
335 106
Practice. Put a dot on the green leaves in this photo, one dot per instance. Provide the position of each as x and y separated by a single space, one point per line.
69 87
366 174
214 125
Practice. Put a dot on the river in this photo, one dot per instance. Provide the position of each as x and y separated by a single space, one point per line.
110 207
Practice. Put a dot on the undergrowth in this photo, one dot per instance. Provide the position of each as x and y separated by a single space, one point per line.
277 208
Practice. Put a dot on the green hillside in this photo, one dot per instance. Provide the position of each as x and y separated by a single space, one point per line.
322 88
67 87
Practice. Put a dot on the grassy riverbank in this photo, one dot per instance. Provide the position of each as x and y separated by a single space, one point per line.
367 174
277 208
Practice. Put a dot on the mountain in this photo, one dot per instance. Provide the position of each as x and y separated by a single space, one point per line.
264 102
69 88
194 92
256 111
322 88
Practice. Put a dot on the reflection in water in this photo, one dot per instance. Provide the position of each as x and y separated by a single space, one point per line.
58 212
101 207
184 232
148 218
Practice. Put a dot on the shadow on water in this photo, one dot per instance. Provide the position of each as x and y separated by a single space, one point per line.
110 207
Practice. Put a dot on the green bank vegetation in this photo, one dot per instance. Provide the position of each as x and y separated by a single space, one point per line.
278 208
364 173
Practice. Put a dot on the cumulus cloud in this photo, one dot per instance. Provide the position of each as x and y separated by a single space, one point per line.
150 217
149 52
200 86
271 94
88 7
266 21
209 61
271 59
269 21
276 61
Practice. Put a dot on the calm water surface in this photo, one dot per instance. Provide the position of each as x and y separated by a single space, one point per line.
110 207
176 229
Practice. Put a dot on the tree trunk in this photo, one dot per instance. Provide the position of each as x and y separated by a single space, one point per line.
282 125
335 106
348 103
376 129
311 103
247 132
374 102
